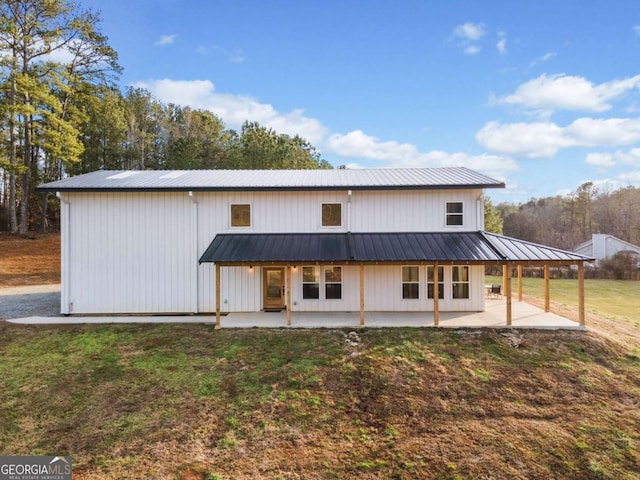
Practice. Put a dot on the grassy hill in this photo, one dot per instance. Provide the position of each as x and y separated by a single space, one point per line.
190 402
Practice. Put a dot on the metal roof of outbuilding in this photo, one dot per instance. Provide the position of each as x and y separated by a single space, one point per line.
442 247
237 180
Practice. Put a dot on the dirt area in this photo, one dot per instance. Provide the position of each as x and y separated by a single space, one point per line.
29 275
29 260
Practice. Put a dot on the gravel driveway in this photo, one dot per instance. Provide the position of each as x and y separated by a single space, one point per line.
31 301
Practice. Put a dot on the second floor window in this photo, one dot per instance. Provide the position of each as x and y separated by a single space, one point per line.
240 215
454 214
331 214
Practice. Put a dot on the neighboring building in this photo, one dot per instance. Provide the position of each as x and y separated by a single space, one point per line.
602 246
310 240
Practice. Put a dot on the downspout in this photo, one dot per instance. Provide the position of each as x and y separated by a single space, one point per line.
480 211
66 306
349 192
195 294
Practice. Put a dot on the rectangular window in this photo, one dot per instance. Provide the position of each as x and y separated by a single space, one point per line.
331 214
454 214
460 282
241 215
333 282
410 282
440 282
311 282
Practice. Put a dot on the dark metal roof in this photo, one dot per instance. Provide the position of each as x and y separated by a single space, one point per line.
444 247
275 247
515 249
239 180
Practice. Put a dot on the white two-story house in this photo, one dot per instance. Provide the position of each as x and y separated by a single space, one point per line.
190 242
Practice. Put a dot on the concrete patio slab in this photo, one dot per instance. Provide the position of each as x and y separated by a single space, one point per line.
524 315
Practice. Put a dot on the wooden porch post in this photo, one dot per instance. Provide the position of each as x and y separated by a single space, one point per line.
504 279
520 282
361 295
507 279
288 294
436 294
581 316
217 296
546 288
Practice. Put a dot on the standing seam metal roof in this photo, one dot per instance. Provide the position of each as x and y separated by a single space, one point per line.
479 247
234 180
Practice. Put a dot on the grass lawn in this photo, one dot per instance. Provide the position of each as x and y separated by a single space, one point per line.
189 402
612 299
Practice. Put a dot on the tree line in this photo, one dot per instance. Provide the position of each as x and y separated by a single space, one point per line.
61 113
566 221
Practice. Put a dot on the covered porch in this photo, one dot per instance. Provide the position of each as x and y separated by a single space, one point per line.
370 249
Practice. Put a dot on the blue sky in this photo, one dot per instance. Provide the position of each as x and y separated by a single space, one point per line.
543 95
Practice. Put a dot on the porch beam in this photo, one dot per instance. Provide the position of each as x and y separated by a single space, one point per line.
581 312
361 295
547 307
217 296
507 292
436 294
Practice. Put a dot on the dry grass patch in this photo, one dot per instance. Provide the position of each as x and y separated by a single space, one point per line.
185 401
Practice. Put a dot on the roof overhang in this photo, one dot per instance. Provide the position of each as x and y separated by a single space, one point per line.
470 248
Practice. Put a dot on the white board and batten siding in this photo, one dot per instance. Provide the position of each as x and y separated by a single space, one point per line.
138 252
129 253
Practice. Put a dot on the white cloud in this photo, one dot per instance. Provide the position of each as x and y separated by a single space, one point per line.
570 93
636 29
165 40
472 49
544 139
600 160
469 32
611 159
540 139
234 56
359 145
467 36
592 132
502 44
630 177
234 110
543 58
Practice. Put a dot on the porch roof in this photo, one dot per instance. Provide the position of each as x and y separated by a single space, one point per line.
404 247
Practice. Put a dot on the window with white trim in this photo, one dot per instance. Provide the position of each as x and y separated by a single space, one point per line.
430 282
460 282
410 282
331 214
332 282
455 214
240 215
311 282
